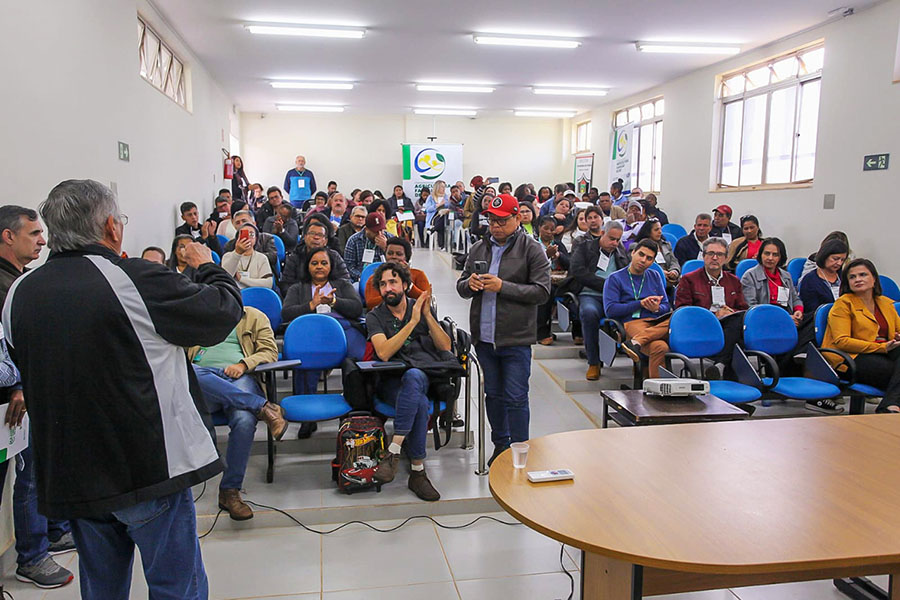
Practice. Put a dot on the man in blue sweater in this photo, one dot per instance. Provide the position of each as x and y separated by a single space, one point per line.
636 296
300 172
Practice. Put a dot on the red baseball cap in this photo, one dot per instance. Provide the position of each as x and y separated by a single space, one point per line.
375 221
477 181
724 209
503 206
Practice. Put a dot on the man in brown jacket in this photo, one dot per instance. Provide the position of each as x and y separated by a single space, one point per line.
225 375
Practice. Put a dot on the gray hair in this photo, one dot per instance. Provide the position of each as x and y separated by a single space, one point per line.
612 224
11 217
703 217
242 212
714 240
359 207
76 211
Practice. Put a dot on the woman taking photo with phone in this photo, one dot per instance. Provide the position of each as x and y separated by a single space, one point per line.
248 267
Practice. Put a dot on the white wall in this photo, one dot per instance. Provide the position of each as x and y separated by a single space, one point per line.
363 151
859 114
72 91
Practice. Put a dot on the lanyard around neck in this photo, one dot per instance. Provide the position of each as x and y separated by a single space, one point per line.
637 293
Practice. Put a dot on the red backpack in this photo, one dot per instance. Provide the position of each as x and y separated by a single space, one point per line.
360 446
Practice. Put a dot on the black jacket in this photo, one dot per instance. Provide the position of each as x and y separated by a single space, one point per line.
117 415
734 229
212 241
295 268
347 304
687 248
583 264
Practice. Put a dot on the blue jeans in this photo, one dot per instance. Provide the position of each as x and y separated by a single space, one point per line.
506 373
33 530
241 400
590 312
165 531
409 396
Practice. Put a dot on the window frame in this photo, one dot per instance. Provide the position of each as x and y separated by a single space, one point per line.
179 88
576 149
656 121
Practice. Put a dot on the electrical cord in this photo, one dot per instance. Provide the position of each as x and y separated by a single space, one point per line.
200 495
562 550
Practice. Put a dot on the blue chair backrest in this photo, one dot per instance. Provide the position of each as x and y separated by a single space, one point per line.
216 258
695 332
769 328
317 340
265 300
223 240
889 287
744 266
367 272
675 229
660 270
279 248
897 307
821 321
671 238
795 268
691 265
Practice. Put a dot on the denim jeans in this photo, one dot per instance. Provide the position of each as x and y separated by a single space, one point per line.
506 374
165 531
408 395
33 530
241 400
590 311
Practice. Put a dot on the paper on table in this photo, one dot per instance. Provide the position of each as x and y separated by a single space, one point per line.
406 216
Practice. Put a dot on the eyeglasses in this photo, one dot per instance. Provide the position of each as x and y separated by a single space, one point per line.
499 220
123 219
310 234
716 254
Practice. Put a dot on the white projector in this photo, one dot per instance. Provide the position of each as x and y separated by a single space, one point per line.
676 387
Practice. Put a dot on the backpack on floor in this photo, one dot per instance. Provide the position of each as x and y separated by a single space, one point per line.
360 445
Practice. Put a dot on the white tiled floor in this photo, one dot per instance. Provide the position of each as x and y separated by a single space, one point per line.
419 561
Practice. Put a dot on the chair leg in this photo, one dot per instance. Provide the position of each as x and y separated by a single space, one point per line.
270 446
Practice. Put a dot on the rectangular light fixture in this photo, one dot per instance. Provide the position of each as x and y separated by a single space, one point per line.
311 85
310 108
686 48
453 112
308 31
558 91
550 114
529 42
471 89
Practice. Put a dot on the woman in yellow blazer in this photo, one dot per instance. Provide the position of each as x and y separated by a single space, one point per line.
865 325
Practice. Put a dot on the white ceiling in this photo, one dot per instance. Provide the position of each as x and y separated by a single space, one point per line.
409 41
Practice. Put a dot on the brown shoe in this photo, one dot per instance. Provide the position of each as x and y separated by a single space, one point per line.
273 416
546 341
421 486
387 468
577 340
593 373
230 500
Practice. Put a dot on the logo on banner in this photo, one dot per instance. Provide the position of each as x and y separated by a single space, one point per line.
430 163
622 142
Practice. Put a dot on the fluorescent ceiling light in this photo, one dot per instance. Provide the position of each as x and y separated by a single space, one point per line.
471 89
310 108
564 91
311 85
308 31
531 42
687 48
553 114
454 112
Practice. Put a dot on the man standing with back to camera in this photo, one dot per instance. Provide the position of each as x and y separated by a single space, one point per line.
118 422
507 276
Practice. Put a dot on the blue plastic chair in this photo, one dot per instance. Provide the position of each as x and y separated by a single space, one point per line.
795 268
318 341
691 265
889 287
223 240
675 229
744 266
279 248
216 258
367 272
266 301
695 333
671 238
769 330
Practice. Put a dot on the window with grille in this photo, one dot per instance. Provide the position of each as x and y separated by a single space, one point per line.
769 121
648 130
581 137
160 66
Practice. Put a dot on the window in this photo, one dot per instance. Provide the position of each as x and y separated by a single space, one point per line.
647 118
770 114
160 66
581 137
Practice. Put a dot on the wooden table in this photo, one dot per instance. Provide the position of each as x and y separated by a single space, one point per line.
678 508
634 407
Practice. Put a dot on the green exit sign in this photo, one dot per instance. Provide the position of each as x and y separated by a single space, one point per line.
876 162
124 152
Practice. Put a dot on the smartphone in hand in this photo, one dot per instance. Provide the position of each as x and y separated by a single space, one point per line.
244 235
481 267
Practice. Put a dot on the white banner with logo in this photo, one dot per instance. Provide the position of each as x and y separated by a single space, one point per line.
584 173
620 157
423 164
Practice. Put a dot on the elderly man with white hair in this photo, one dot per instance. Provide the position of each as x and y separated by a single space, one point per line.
299 172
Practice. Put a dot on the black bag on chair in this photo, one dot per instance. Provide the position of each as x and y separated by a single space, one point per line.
358 389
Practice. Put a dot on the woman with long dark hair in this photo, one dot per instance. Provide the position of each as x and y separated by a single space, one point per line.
239 181
746 246
176 260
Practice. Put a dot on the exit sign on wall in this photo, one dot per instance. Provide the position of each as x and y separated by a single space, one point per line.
876 162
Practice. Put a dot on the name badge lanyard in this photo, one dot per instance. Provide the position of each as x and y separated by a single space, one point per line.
637 292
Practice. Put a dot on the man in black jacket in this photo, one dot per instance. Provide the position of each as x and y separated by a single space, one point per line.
119 426
205 234
316 236
593 260
688 247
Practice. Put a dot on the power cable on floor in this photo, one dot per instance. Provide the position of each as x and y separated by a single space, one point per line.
562 550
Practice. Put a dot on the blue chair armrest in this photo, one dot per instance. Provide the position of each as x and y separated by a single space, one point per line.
769 366
279 365
847 361
686 364
616 327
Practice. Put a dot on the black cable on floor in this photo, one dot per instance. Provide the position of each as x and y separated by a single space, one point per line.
562 550
216 520
201 493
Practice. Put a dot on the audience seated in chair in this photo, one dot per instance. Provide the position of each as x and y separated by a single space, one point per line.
746 246
316 236
268 209
810 265
177 260
248 267
558 256
337 210
688 247
526 216
651 209
398 251
665 258
205 234
354 224
722 226
367 246
222 207
823 285
284 225
634 220
154 254
610 210
264 241
225 373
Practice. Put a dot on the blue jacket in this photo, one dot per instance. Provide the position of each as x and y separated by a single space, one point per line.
814 292
618 296
293 173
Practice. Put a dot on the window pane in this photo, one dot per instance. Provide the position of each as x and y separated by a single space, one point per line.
657 155
813 60
647 111
587 136
781 135
757 78
731 143
807 130
733 85
581 138
660 107
752 140
645 158
151 51
634 115
785 69
622 119
165 61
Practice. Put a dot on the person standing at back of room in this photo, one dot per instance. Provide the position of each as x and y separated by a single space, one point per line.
299 170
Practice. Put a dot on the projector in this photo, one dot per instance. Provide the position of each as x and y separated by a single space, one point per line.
676 387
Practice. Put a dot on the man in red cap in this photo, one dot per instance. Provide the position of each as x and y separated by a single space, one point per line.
367 246
507 276
722 225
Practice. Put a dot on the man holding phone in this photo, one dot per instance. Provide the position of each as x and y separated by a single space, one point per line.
507 276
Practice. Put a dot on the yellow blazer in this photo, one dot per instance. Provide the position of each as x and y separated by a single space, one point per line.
853 328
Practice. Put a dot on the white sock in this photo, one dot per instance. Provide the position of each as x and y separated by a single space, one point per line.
419 467
394 448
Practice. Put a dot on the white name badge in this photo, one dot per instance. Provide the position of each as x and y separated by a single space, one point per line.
369 255
835 291
718 295
700 254
783 295
223 215
195 234
323 309
244 274
726 237
603 262
660 258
